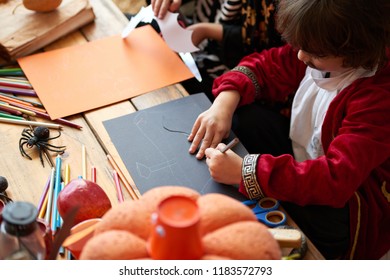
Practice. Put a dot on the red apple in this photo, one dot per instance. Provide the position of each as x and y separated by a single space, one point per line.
91 199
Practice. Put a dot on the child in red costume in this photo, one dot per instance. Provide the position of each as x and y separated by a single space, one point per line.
328 161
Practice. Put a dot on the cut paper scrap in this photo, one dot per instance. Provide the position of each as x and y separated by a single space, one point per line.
176 37
102 72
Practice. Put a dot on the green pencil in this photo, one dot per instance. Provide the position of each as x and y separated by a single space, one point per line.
11 72
8 116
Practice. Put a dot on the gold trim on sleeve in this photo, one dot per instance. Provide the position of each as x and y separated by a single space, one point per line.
249 177
385 192
356 237
249 73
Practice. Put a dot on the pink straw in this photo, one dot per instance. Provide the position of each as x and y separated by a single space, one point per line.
118 186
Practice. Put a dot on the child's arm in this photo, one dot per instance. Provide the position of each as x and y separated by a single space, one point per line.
271 74
206 30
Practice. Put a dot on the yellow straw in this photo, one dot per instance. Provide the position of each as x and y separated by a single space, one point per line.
50 196
44 205
67 174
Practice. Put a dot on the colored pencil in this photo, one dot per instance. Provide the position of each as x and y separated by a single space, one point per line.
9 116
32 123
10 100
60 222
129 188
93 174
10 111
14 83
36 113
44 195
118 186
54 211
24 111
22 104
63 121
84 161
50 196
18 91
57 189
16 79
59 219
33 103
11 72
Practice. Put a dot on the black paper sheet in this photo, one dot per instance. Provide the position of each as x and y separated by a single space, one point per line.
153 145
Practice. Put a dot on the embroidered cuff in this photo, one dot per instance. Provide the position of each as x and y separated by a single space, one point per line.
248 72
251 184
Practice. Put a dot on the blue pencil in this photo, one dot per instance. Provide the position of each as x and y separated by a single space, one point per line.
59 219
57 189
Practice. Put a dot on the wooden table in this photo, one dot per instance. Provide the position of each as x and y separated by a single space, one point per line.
27 178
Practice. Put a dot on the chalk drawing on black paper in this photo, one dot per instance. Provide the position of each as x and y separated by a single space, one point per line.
146 171
154 147
162 163
167 127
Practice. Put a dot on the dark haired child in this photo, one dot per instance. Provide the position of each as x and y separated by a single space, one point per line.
328 162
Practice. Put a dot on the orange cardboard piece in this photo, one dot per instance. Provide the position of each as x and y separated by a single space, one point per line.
98 73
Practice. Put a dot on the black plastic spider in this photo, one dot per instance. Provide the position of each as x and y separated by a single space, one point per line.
38 137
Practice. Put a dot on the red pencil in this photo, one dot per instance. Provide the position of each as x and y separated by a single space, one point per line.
11 111
39 113
13 83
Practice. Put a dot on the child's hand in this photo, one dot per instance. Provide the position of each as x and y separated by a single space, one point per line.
209 129
215 124
160 7
206 30
225 167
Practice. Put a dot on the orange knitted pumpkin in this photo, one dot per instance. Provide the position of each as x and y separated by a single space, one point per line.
228 229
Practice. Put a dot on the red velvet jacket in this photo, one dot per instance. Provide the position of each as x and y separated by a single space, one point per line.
356 140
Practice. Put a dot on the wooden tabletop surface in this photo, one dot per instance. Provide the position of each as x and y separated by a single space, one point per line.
27 178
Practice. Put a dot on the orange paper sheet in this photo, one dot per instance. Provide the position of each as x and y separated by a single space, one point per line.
95 74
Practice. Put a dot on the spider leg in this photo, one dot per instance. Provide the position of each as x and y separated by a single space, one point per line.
23 138
48 158
41 158
21 149
55 137
26 132
52 147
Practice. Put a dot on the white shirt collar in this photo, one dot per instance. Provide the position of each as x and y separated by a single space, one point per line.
340 80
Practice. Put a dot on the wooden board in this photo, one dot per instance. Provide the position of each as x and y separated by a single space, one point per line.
24 31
